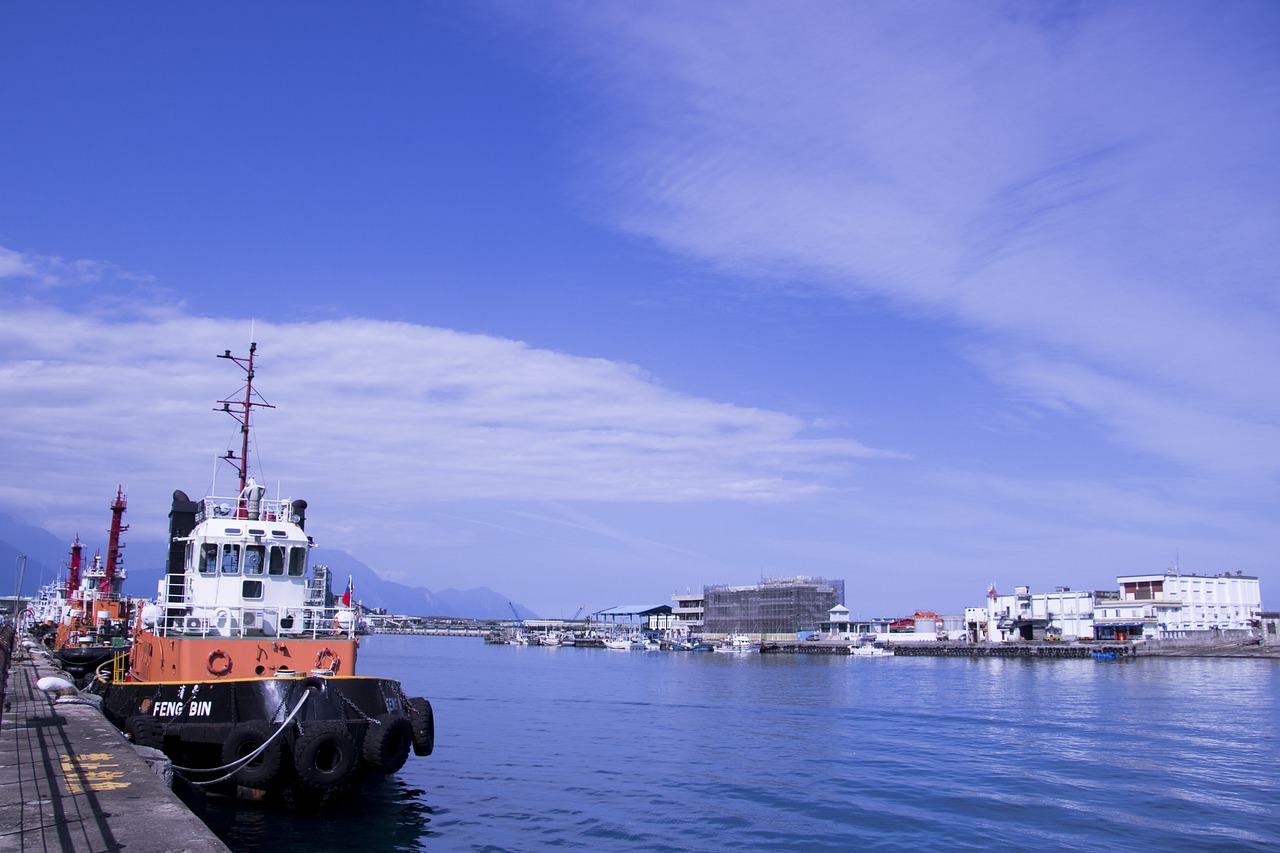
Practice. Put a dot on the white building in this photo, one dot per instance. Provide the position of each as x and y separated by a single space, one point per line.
1172 605
1167 605
687 612
1062 614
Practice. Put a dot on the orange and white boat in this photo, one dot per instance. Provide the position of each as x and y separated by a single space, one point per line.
93 624
243 670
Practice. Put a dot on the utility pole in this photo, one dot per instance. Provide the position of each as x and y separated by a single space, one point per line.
17 596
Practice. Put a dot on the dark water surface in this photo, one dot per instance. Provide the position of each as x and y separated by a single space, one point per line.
587 749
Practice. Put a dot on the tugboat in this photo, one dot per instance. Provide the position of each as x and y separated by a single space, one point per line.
239 671
94 624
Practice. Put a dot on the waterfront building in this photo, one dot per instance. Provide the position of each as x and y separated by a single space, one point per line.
1065 614
1270 633
628 618
1163 606
842 625
687 613
837 621
1171 605
783 606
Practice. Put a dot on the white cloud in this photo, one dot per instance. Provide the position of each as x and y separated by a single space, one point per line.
374 419
1096 187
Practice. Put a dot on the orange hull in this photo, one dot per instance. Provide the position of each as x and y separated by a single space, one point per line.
204 659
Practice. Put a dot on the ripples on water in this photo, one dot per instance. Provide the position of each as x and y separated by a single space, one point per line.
586 749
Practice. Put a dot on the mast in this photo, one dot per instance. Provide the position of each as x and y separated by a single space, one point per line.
73 575
113 541
240 408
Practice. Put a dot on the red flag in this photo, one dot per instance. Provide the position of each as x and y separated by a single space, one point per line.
346 596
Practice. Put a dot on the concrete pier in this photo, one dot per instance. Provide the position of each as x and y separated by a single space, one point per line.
69 781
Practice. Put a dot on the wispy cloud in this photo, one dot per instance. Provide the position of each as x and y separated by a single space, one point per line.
1094 186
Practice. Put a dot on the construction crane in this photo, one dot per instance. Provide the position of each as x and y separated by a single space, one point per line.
519 621
579 613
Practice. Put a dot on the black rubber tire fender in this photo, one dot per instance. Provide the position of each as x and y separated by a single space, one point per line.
423 722
146 731
386 743
325 754
244 739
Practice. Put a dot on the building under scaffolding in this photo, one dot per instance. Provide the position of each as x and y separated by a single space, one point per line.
781 606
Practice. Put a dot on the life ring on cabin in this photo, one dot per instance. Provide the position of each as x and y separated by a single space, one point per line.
220 669
325 754
221 618
245 739
386 743
334 661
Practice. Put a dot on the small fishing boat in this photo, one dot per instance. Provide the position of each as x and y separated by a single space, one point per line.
243 670
870 651
738 644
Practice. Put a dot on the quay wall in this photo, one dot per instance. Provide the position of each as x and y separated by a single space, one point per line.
73 783
1013 650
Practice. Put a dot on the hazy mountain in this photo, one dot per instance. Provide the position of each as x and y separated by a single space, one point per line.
45 555
144 561
373 591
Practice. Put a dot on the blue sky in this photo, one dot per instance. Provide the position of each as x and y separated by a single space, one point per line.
590 303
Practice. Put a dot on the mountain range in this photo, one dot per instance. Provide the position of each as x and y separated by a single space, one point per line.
47 554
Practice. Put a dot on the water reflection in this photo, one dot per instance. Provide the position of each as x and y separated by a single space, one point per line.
393 816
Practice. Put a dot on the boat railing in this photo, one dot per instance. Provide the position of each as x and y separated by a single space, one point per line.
280 622
263 509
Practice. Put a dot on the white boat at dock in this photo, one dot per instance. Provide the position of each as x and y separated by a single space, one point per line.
738 644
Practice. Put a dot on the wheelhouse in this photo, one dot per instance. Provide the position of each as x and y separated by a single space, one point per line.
245 574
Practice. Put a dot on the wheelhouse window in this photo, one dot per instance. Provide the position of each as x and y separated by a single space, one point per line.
208 559
231 559
253 559
297 562
276 566
251 590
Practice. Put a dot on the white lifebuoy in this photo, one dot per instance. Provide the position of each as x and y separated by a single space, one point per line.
221 618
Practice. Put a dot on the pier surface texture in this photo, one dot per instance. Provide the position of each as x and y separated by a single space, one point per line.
69 781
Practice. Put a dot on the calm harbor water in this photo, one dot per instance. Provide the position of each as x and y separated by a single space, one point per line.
586 749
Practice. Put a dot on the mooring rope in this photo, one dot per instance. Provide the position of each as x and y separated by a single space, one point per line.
240 762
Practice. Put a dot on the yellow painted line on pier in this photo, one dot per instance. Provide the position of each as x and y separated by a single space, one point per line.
90 772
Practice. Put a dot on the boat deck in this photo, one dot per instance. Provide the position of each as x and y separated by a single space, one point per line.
70 782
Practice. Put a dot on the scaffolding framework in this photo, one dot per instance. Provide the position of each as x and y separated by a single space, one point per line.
778 606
